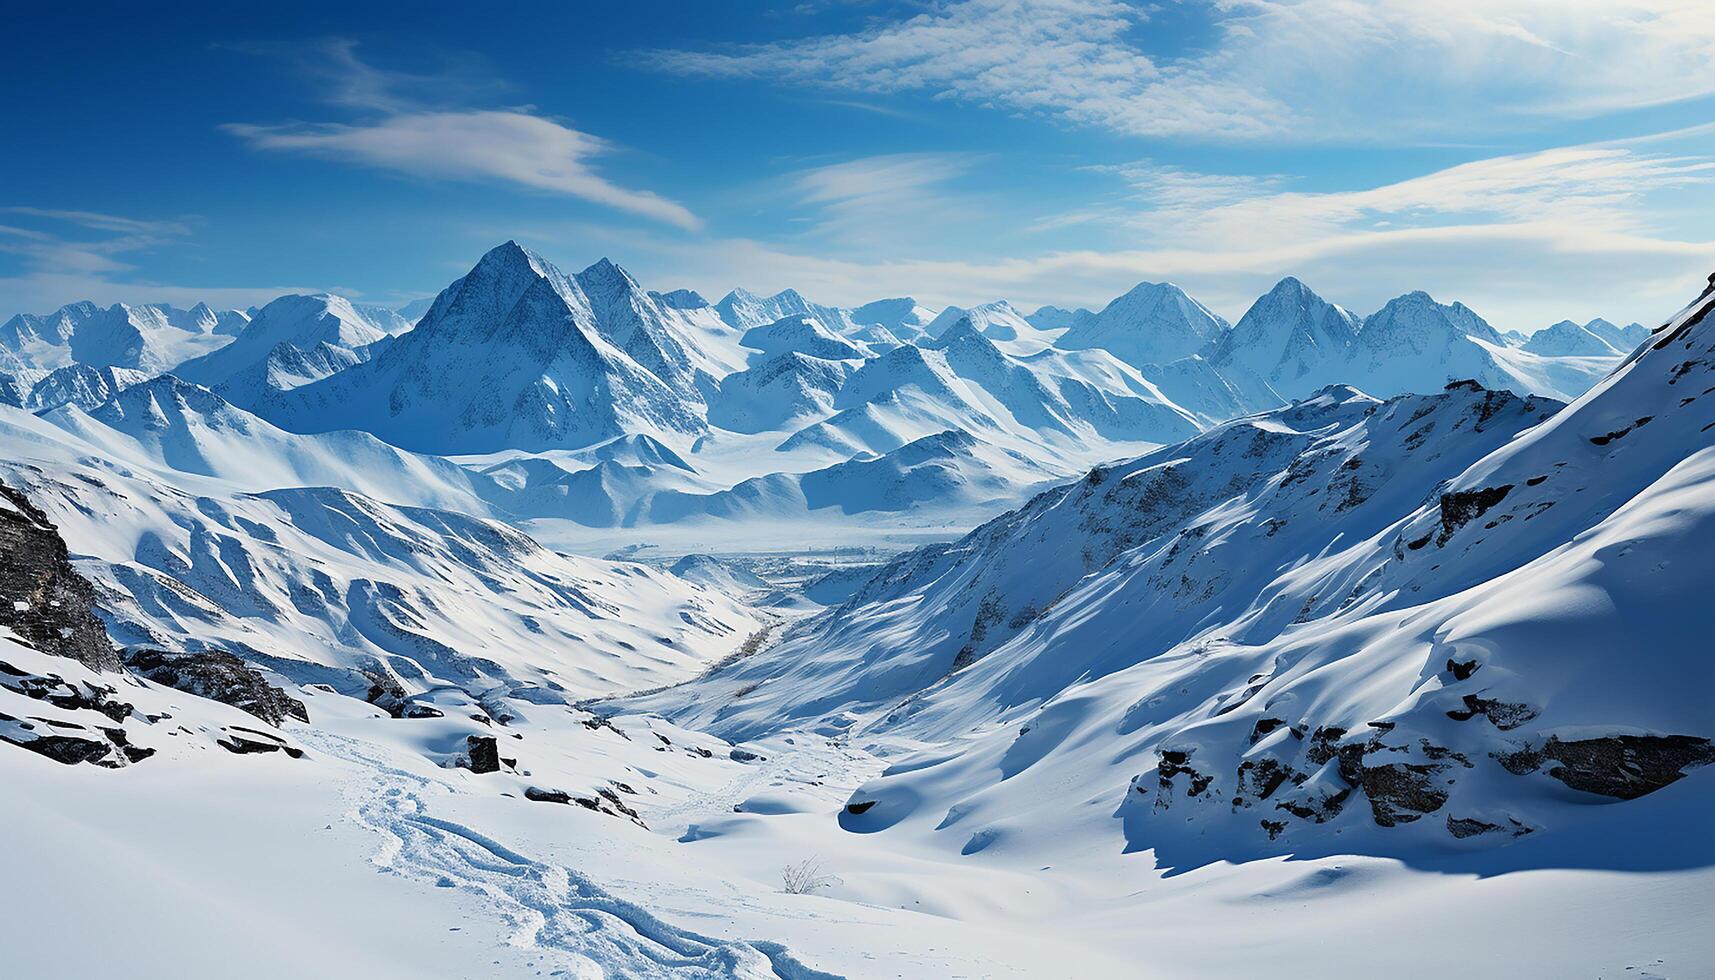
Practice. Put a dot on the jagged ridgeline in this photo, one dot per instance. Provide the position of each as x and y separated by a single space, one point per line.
775 408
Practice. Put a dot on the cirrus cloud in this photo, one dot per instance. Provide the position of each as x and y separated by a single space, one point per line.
1295 70
407 132
504 145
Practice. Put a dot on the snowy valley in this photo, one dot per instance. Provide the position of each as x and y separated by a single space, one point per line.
569 627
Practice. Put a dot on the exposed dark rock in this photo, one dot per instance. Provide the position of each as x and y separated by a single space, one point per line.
1263 727
596 723
1173 763
246 741
743 755
1622 766
1461 507
417 709
612 800
483 752
1258 779
861 806
1505 715
1462 670
1402 792
1463 827
72 749
61 693
605 801
219 676
1323 744
1274 828
385 693
42 598
1316 809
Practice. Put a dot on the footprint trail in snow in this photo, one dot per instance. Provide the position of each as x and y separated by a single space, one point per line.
553 910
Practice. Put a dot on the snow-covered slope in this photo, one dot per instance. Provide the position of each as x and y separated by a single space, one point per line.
80 385
326 585
1394 628
1055 318
1215 515
179 427
714 573
1421 674
1569 339
1622 339
292 341
1154 323
949 472
964 380
890 321
787 389
800 334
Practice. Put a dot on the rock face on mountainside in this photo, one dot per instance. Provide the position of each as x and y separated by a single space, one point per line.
42 598
218 676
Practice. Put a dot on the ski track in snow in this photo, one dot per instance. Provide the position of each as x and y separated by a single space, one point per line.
553 910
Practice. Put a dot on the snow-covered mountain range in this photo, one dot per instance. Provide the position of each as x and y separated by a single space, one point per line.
758 394
969 642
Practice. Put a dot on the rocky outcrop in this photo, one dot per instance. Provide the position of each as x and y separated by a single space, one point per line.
1622 766
1312 777
482 754
61 693
42 598
1459 508
605 801
218 676
246 741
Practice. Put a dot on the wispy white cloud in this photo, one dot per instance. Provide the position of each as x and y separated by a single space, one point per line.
1593 189
60 256
1304 70
887 202
404 133
1526 239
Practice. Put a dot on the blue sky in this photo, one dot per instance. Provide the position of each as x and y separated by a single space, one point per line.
1536 160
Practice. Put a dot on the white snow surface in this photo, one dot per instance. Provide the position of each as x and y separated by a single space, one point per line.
1273 645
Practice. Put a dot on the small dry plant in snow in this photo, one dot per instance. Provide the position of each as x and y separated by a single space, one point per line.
804 877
